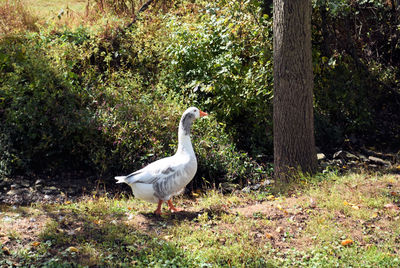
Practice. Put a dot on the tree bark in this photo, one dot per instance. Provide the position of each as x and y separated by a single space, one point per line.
294 144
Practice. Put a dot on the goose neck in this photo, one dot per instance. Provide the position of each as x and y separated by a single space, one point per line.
184 143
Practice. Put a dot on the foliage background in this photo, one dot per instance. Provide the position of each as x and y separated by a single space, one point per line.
104 98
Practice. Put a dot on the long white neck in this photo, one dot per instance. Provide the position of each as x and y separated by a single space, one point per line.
184 142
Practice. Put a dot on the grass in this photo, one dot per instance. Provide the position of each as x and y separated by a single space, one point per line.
47 9
31 15
240 230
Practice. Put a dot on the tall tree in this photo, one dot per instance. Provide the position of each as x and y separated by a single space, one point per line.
294 144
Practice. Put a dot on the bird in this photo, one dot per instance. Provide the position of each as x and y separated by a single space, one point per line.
159 181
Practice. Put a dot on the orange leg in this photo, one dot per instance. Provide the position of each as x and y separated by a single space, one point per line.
172 208
158 210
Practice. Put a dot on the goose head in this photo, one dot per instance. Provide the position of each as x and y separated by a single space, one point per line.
188 118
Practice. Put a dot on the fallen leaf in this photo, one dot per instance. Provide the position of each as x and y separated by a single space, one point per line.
313 204
281 208
36 244
347 242
97 222
72 249
6 250
271 197
391 206
167 237
222 240
269 236
4 239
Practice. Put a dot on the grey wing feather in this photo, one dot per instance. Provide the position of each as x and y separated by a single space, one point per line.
153 172
167 185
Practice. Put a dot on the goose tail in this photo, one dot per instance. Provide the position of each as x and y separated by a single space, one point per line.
121 179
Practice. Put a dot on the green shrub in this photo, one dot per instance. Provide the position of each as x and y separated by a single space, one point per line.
44 123
356 70
71 100
223 62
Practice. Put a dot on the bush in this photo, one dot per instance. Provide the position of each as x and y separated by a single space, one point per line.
74 101
44 122
223 62
356 73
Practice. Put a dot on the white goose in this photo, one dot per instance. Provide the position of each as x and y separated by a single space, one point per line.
164 178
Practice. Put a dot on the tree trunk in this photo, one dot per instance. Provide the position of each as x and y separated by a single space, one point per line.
294 144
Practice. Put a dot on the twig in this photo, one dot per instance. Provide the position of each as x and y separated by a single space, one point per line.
143 8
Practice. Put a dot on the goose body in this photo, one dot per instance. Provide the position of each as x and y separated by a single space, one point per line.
161 180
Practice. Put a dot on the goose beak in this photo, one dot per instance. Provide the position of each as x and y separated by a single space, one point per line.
203 113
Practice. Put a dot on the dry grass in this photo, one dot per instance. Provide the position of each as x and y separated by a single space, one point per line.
15 17
30 15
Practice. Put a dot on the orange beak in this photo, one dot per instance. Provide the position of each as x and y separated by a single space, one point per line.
203 113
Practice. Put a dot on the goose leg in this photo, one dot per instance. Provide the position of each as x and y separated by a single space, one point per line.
158 210
172 208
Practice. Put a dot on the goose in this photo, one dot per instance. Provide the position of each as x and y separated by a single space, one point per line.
159 181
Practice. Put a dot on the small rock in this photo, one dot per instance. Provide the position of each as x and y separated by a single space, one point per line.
71 191
268 182
344 155
24 183
338 154
352 163
38 182
255 187
11 192
50 190
313 204
246 190
363 158
337 162
7 219
15 186
378 161
351 156
228 187
15 191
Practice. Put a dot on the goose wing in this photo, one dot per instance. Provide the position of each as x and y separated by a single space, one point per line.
160 170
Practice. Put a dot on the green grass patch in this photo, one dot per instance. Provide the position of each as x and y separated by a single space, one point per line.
215 230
